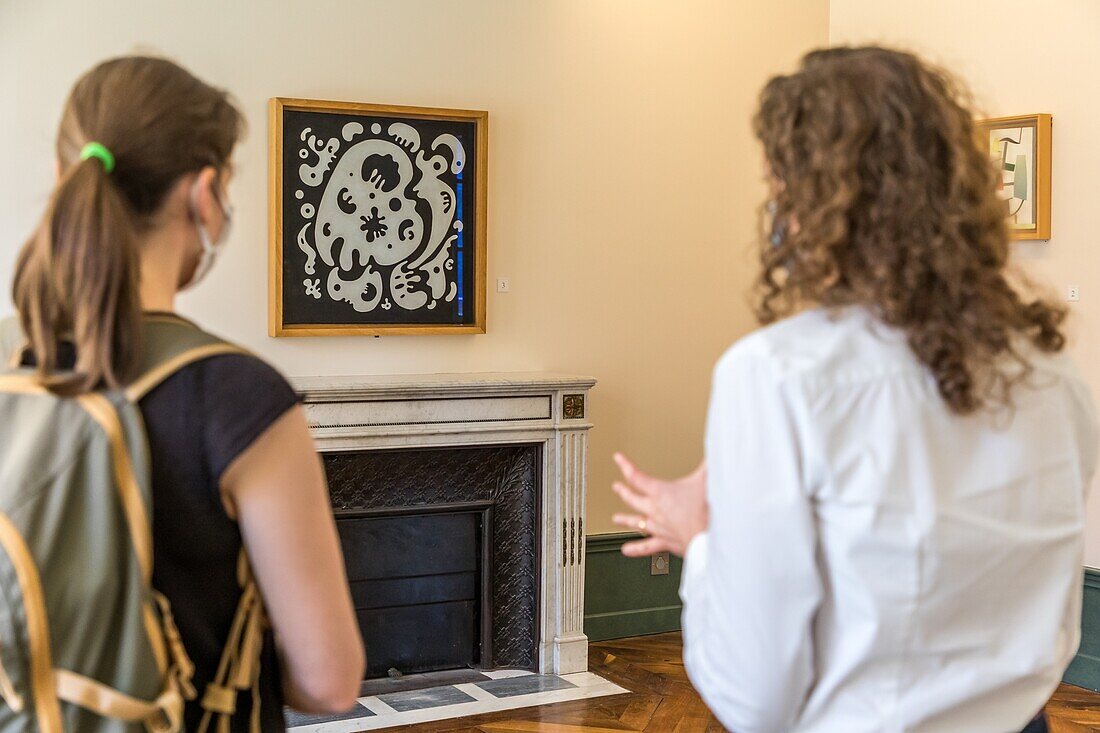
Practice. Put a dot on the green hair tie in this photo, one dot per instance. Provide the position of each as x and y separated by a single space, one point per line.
99 150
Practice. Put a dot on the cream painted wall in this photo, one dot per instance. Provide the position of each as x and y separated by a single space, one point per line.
623 176
1019 57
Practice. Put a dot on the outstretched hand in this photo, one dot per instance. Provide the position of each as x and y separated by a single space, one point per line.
670 512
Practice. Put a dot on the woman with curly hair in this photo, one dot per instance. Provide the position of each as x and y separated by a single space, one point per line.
886 534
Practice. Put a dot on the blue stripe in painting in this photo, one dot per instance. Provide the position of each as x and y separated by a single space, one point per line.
459 257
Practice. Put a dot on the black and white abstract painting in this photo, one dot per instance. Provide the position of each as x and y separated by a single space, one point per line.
379 213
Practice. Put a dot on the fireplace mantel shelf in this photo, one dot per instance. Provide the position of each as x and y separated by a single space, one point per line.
388 386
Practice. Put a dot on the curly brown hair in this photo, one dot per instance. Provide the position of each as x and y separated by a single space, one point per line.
884 198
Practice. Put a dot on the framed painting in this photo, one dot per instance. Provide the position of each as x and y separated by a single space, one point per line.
377 219
1020 149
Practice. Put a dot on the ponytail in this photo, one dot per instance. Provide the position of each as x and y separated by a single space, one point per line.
77 280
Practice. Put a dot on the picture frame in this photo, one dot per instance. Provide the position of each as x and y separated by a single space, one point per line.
1020 147
377 219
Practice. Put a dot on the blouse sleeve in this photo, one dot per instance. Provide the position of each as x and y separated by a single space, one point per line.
242 397
751 584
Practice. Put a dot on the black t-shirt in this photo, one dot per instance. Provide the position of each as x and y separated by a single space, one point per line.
198 421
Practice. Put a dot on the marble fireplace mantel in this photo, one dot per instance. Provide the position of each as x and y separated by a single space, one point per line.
453 410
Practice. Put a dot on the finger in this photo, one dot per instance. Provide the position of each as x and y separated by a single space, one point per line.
648 546
636 523
642 481
640 523
632 499
631 521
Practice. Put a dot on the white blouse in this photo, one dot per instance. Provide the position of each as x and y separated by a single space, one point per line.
875 563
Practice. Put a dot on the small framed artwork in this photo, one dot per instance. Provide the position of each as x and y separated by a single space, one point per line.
1020 149
377 219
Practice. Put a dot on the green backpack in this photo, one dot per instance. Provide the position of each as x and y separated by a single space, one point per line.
86 643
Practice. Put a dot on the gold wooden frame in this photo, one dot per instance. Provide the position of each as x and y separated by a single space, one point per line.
276 326
1042 124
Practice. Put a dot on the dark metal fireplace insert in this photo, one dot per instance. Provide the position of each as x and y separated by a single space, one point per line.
441 547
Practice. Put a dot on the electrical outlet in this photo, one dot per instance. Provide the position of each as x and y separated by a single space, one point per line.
1073 293
503 285
658 564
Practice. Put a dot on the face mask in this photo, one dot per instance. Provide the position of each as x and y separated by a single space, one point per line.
210 248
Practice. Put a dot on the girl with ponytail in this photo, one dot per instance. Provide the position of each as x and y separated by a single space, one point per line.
140 206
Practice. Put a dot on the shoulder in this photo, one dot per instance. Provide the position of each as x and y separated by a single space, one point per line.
239 396
243 368
819 345
242 388
225 382
168 334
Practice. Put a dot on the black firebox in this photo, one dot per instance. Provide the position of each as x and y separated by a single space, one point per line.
420 583
442 553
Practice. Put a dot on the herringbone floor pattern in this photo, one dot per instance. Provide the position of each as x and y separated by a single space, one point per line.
663 701
1073 710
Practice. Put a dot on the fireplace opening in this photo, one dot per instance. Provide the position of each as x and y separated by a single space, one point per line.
442 554
420 584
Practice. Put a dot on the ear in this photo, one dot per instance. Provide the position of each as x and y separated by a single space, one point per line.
204 197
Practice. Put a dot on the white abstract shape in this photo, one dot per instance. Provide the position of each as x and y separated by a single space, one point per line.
401 281
350 130
307 211
452 292
313 288
405 135
314 175
305 132
362 293
458 153
366 204
434 270
304 245
299 194
376 128
440 198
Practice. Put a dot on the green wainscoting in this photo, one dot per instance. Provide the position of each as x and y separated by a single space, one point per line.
621 598
1084 671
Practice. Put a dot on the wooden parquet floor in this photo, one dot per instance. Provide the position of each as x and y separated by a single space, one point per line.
663 701
1073 710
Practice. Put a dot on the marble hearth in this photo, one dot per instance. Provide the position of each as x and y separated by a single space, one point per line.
547 411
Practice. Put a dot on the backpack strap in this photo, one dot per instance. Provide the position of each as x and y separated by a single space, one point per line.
170 343
164 713
239 667
8 692
147 381
44 698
